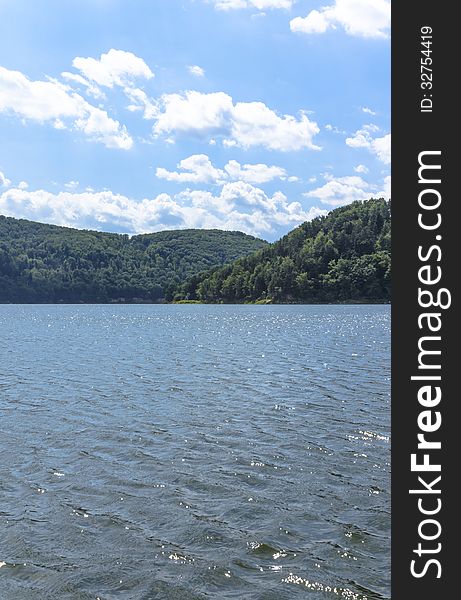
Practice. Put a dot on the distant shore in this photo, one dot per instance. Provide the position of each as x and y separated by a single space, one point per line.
180 302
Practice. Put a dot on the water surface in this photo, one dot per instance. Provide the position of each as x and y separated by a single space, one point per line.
191 452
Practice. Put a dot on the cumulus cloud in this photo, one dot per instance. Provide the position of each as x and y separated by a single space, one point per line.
386 191
361 169
96 210
259 4
116 67
243 124
362 138
363 18
192 113
198 168
334 129
238 206
37 100
339 191
368 111
315 22
54 102
258 173
247 208
141 101
196 71
380 146
91 89
71 185
255 124
4 181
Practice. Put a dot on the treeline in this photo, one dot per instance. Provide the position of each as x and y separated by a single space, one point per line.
47 263
341 257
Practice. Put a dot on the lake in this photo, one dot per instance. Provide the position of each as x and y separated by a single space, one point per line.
194 451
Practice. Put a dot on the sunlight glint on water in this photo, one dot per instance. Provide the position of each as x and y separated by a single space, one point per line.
191 452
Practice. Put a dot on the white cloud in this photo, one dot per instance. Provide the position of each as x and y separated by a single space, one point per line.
51 101
98 126
386 191
4 181
315 22
238 206
116 67
363 18
258 173
37 100
259 4
195 169
368 111
380 146
23 185
339 191
246 208
361 169
362 138
194 112
141 101
95 210
256 124
198 168
334 129
91 89
229 4
71 185
196 71
243 124
59 124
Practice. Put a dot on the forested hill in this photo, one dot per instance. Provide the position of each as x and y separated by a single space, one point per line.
47 263
342 257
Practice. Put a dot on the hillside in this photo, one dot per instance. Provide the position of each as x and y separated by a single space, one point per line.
342 257
47 263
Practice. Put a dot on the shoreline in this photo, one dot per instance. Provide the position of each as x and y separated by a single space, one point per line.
193 302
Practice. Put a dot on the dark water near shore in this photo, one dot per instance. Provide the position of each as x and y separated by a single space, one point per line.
188 452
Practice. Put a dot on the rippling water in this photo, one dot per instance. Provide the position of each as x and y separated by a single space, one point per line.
189 452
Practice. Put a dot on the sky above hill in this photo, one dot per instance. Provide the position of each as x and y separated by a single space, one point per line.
141 115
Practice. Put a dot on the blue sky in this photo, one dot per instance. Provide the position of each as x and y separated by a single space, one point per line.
235 114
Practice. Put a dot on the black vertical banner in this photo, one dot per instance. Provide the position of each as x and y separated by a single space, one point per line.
425 430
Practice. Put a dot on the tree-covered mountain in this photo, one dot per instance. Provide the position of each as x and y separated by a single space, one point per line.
341 257
47 263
